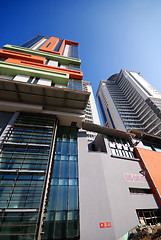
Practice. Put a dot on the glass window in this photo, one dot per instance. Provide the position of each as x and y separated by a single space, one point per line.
63 191
31 42
147 146
74 51
121 147
64 169
157 148
57 48
62 198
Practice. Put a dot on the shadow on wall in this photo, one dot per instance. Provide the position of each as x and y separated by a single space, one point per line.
98 145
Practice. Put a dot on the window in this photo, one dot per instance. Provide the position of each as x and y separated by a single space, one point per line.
74 67
57 48
31 42
151 146
76 85
48 45
140 191
121 147
62 212
25 151
149 216
33 80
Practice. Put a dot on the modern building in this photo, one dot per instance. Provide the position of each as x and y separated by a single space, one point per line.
127 101
54 182
119 185
42 105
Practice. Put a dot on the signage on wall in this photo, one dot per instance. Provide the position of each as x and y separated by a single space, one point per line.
105 224
134 177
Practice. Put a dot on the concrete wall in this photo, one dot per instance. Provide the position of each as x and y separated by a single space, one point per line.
93 194
104 193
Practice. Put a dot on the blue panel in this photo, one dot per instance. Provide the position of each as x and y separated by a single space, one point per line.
62 198
102 110
74 51
56 168
57 48
73 198
65 148
110 118
73 170
31 42
73 148
64 169
52 198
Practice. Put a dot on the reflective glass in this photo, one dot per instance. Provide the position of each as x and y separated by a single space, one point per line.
56 168
52 199
64 169
73 170
65 148
63 191
62 198
73 198
73 148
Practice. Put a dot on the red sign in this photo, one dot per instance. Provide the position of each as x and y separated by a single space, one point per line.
105 224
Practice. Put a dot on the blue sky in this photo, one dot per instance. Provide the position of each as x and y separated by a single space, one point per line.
113 34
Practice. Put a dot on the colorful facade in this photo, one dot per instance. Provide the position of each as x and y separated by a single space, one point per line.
41 108
62 175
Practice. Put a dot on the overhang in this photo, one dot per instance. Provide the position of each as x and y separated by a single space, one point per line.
106 131
47 96
146 136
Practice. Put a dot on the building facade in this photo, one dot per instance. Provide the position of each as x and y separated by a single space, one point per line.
54 182
42 105
127 101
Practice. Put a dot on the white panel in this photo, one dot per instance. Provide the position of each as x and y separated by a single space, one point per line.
63 66
93 106
53 63
21 78
145 85
66 50
45 82
6 77
35 47
60 86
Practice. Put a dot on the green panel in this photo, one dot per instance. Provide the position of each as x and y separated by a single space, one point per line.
51 56
14 69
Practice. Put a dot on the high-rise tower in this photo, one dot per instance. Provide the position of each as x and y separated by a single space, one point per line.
127 101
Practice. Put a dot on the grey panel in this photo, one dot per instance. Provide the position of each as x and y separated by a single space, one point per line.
104 193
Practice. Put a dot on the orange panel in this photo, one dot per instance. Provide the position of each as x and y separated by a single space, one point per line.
151 162
71 42
21 56
49 45
62 47
72 73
